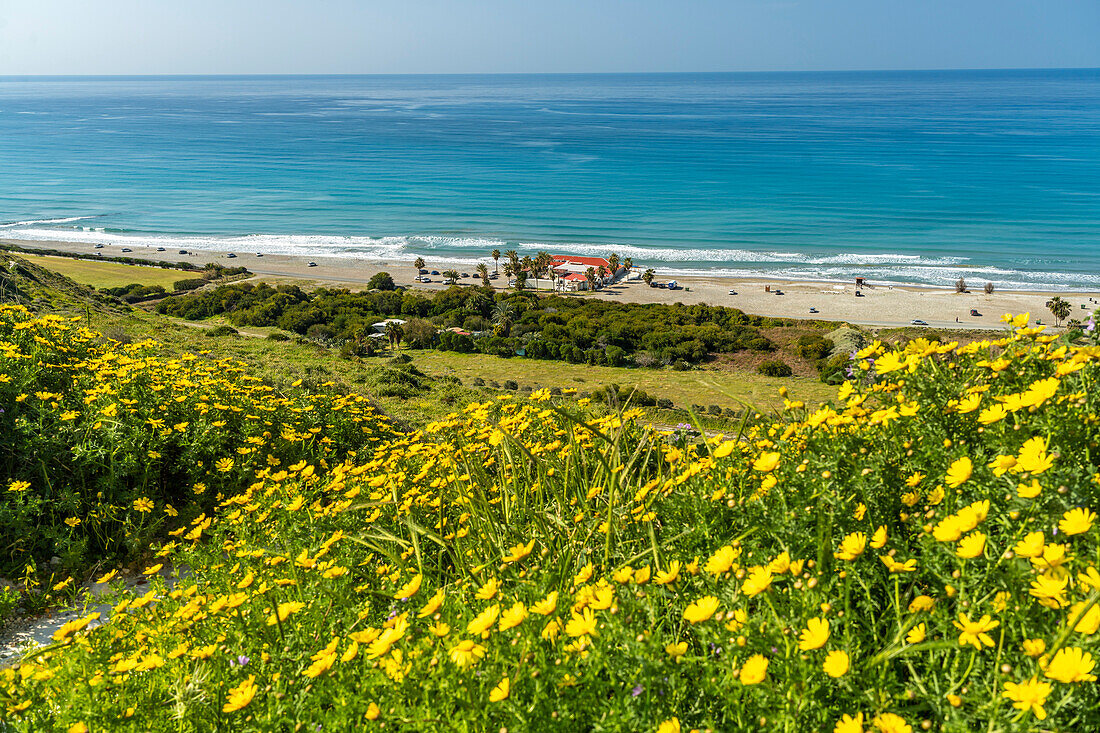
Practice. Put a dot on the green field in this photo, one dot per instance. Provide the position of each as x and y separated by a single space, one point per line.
700 386
106 274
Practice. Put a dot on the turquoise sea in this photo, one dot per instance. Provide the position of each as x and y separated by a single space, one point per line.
914 177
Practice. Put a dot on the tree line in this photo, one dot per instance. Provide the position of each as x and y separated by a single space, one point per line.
506 324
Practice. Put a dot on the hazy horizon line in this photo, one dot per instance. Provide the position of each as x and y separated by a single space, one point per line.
548 73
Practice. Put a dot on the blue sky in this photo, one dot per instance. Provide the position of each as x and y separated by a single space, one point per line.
444 36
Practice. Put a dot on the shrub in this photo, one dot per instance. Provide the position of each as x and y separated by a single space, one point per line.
356 349
188 284
223 330
835 369
479 382
381 281
321 332
510 384
681 366
122 424
715 410
277 336
664 403
419 333
774 368
813 346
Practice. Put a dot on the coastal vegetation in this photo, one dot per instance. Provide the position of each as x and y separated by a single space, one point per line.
554 327
919 553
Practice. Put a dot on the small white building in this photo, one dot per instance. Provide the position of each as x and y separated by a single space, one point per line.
380 327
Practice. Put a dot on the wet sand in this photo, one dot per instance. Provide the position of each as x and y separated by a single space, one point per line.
878 305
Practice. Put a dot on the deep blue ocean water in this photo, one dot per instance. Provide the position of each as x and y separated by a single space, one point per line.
913 177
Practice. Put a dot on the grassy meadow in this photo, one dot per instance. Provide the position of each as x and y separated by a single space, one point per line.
106 274
724 387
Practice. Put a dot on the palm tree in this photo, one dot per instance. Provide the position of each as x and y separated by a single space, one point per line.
602 273
484 272
543 261
1059 308
394 333
508 271
451 275
590 277
614 261
496 259
648 275
513 257
521 279
418 263
477 303
628 262
502 316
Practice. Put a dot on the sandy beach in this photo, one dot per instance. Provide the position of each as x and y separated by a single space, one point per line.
879 304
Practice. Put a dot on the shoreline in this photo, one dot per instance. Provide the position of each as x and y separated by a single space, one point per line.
880 305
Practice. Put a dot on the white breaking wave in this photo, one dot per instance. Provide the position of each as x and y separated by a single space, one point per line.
31 222
443 251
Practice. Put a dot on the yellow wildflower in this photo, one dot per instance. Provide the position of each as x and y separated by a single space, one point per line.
239 696
754 670
836 663
701 610
814 635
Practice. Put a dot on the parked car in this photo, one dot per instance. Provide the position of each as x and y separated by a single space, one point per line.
231 255
127 249
974 312
918 322
259 254
183 251
160 249
425 279
435 272
733 292
813 310
312 264
465 274
99 246
422 271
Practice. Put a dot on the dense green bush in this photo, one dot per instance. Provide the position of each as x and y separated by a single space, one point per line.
813 346
381 281
774 368
134 292
193 283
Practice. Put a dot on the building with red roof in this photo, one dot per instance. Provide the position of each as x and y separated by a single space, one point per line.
571 271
